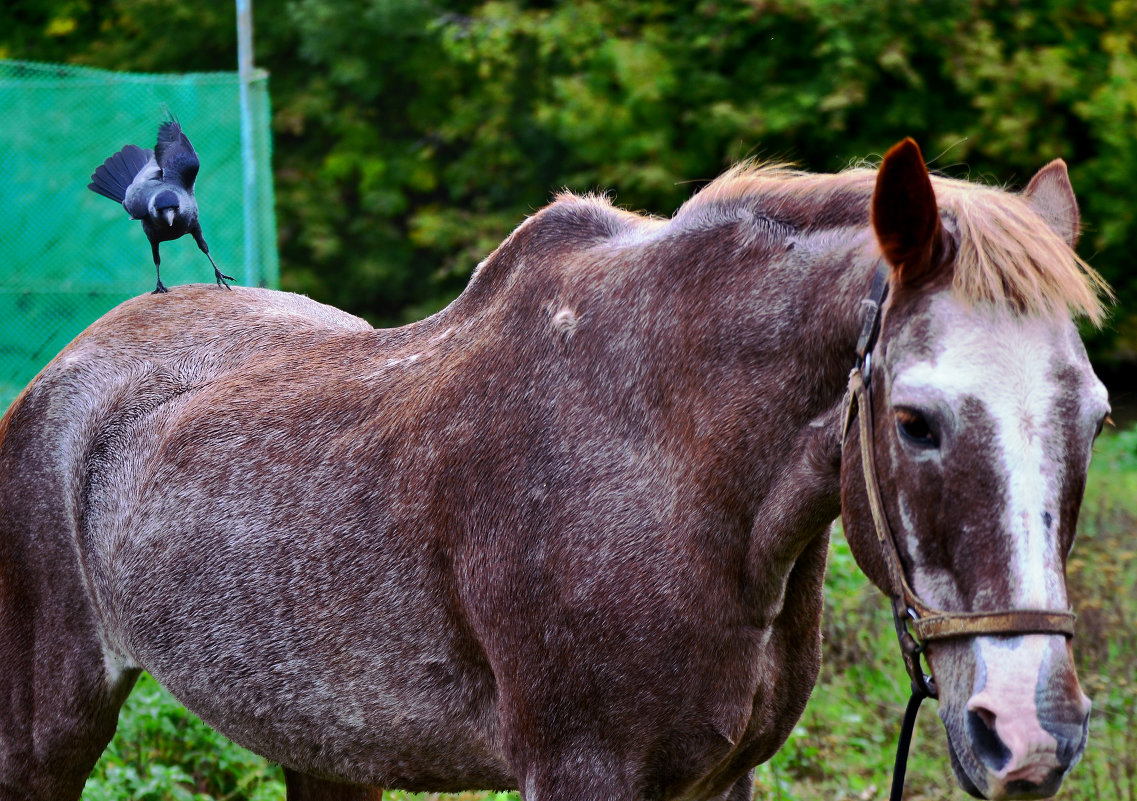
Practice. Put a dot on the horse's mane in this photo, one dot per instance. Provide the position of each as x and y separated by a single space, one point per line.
1007 253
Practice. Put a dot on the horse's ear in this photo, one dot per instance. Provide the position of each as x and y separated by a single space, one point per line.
905 216
1051 195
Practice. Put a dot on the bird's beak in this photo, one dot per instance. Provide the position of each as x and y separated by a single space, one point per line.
169 217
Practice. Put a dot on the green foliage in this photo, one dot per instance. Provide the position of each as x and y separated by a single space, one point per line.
162 752
412 135
1103 579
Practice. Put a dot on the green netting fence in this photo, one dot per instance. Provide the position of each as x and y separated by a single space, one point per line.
70 255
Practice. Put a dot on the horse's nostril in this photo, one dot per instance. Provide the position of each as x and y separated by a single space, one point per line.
985 743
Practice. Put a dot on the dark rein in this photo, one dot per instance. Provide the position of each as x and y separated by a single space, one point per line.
916 623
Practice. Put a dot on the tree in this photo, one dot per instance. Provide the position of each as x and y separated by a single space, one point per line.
412 135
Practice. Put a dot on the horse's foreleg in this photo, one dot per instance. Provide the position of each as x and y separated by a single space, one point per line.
578 778
605 780
308 788
743 789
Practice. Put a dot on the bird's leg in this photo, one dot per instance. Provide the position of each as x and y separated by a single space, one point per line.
161 288
205 249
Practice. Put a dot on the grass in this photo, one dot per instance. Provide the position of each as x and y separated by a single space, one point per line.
163 752
841 749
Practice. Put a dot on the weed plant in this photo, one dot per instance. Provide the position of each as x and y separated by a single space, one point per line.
843 747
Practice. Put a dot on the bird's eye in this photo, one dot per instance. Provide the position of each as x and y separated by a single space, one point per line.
914 427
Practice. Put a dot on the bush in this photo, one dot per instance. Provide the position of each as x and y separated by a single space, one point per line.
162 752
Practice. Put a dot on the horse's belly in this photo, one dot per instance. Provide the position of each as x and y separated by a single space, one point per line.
414 724
403 740
323 658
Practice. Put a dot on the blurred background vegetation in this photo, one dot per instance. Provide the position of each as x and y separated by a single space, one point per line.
412 135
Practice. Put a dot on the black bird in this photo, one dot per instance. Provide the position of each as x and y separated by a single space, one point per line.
156 187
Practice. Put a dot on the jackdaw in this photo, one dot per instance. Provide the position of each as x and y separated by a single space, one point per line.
156 187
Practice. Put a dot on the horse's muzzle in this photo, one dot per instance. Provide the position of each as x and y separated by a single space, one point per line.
1017 751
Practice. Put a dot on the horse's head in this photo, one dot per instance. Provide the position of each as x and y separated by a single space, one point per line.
984 410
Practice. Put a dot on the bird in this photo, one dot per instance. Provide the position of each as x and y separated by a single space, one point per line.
156 187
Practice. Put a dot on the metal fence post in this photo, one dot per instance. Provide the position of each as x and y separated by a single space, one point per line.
253 269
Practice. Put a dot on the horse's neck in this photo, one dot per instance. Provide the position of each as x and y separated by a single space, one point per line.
794 303
810 312
804 389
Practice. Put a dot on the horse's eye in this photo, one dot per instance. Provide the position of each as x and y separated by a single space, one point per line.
1107 420
914 428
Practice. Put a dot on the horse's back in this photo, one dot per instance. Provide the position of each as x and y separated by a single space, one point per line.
120 382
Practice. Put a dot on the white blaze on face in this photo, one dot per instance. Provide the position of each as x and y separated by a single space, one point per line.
1005 364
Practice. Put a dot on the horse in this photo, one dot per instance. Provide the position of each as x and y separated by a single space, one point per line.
568 535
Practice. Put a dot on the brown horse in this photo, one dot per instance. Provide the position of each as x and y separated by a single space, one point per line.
567 535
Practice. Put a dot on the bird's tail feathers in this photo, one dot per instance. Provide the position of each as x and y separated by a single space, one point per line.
114 175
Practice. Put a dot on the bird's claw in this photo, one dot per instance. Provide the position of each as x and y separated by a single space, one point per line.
160 289
221 278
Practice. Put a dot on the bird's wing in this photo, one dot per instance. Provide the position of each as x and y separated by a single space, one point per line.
138 193
176 155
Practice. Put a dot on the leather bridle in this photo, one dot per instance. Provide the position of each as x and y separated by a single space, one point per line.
917 623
